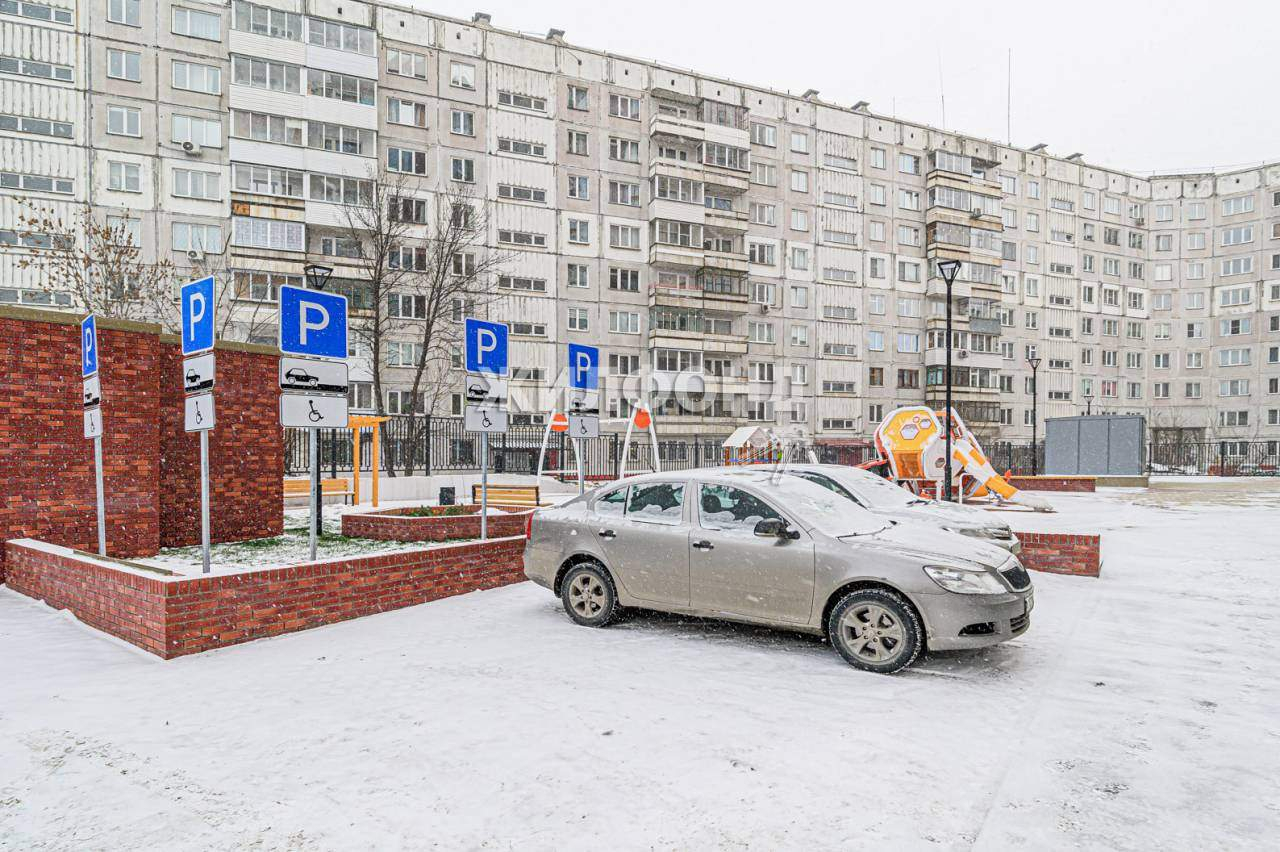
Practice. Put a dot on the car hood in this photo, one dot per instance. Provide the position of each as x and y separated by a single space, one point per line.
944 513
931 544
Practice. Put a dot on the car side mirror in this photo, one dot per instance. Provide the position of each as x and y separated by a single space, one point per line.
775 528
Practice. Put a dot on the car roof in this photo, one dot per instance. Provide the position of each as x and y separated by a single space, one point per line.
733 475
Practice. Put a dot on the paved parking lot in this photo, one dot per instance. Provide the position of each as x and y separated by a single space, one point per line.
1138 712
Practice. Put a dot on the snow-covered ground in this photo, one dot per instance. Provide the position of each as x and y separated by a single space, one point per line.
1141 711
293 547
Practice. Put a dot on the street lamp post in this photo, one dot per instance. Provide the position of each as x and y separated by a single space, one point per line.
948 269
1035 419
1088 404
317 277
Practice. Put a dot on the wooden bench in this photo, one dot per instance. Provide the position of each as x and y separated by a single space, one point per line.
514 496
328 488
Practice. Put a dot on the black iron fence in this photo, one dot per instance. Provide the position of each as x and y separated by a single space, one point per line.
1215 458
1018 459
427 445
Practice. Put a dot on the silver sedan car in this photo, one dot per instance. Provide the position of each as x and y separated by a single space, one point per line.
881 496
757 546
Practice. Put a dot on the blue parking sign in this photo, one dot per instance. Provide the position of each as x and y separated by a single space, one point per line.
486 347
313 323
584 367
197 316
88 346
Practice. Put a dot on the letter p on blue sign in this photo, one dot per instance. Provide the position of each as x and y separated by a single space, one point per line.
197 316
486 347
313 323
584 367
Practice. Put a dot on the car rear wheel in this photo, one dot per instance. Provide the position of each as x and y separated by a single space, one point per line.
588 595
876 630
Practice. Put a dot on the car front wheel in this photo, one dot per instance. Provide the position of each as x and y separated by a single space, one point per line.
588 595
876 630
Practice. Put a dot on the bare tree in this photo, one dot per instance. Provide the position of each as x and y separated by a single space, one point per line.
238 313
99 263
455 280
383 253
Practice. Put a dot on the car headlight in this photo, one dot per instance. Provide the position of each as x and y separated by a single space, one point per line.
965 581
972 532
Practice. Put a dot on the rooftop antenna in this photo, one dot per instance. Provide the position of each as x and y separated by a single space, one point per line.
1008 102
942 92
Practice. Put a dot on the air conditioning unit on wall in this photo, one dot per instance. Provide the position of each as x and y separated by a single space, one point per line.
191 149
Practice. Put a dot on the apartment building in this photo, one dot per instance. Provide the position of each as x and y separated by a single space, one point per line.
744 253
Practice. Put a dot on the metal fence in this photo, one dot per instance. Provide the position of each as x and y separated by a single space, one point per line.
427 445
1018 459
1215 458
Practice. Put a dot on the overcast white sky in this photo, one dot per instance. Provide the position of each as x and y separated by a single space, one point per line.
1140 86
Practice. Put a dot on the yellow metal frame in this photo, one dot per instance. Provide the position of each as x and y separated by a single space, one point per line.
355 424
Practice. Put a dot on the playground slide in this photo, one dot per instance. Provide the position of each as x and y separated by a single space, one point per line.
911 439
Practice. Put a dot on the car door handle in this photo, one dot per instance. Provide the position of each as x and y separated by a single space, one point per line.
607 533
704 545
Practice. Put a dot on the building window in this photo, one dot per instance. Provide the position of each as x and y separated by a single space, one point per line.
198 131
462 169
195 77
124 65
406 64
624 106
124 121
578 319
197 24
188 183
192 236
462 122
124 177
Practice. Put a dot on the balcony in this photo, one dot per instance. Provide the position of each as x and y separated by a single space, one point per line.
723 261
984 325
721 214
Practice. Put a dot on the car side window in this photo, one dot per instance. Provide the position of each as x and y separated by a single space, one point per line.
662 503
612 504
722 507
829 484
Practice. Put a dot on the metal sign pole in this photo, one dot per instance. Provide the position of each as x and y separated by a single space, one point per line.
102 512
484 485
577 451
204 499
315 489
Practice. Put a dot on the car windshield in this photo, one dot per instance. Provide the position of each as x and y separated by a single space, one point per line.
818 507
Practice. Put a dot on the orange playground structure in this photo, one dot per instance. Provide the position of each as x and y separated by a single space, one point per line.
911 441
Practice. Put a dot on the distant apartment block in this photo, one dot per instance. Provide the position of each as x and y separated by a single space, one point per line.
780 249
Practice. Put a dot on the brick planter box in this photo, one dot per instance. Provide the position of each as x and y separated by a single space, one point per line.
1062 553
399 525
171 615
1054 483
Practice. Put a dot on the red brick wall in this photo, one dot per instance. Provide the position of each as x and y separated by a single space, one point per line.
393 525
151 467
47 487
1053 483
1062 553
246 453
117 602
172 618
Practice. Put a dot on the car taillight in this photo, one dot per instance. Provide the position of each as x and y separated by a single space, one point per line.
528 525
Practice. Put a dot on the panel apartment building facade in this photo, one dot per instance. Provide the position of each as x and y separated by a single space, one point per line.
773 253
